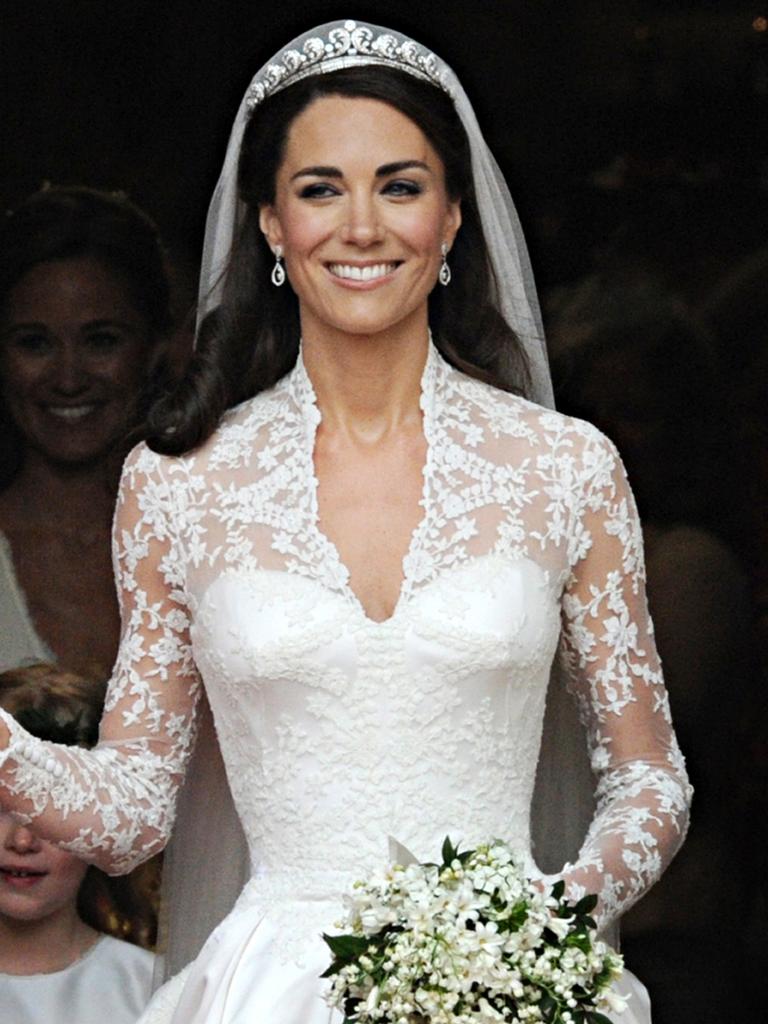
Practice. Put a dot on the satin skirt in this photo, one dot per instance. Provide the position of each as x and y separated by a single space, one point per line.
242 975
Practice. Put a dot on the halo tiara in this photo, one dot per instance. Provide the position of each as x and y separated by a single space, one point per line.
348 46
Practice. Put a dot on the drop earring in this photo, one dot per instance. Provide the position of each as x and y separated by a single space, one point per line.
278 271
445 271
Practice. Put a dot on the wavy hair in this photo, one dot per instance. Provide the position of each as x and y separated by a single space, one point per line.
251 339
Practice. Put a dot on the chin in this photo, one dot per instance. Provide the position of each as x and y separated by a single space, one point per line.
72 457
81 447
364 314
368 324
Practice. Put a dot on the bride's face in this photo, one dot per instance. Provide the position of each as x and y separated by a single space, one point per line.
361 212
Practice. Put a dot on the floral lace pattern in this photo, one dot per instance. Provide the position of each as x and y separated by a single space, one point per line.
338 731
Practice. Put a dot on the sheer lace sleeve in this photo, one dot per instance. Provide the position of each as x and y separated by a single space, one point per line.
614 672
114 805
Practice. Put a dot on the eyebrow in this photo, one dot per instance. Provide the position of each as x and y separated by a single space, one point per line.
34 325
381 172
110 322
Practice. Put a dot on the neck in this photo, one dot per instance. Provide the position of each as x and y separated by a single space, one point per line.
46 945
367 386
61 495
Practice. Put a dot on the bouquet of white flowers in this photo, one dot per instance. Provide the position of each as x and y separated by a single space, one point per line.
466 941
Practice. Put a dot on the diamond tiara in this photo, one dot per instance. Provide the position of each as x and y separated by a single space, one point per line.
348 46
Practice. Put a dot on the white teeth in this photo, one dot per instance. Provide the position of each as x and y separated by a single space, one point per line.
352 273
20 874
71 412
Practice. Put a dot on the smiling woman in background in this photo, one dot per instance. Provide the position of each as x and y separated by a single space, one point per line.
84 306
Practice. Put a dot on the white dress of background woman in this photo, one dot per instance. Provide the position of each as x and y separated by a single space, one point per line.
338 731
20 643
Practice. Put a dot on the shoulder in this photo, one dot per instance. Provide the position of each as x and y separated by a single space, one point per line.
246 427
142 460
546 429
114 953
126 952
115 976
242 430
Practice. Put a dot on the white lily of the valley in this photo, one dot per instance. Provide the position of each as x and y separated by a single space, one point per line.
559 925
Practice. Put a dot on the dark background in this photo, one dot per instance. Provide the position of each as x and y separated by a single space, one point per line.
628 131
593 108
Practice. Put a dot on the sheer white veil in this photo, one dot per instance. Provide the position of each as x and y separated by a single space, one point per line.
207 861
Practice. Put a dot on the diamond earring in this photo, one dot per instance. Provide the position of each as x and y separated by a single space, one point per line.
278 271
445 271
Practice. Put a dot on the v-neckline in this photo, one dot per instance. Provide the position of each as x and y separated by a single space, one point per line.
304 394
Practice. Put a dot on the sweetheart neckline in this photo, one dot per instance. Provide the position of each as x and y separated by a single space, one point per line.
345 594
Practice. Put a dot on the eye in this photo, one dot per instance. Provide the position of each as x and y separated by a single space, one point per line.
104 340
34 342
318 190
402 187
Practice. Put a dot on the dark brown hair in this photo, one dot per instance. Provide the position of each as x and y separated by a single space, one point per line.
60 223
251 340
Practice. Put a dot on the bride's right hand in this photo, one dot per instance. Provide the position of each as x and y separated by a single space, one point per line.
114 805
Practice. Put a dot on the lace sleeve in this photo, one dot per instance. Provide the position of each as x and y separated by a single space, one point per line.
614 672
114 805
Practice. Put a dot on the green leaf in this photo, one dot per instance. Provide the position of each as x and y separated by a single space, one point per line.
347 947
518 914
585 904
558 889
598 1018
449 851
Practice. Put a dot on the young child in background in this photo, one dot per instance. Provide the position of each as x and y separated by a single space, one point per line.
55 963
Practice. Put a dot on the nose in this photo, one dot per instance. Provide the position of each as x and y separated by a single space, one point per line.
21 839
70 374
362 226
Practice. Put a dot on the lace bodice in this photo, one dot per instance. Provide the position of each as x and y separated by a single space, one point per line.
337 731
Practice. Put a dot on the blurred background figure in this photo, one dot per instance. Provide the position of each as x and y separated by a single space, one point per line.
737 312
84 316
56 962
635 363
85 320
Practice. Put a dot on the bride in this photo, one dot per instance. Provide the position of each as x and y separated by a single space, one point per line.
361 550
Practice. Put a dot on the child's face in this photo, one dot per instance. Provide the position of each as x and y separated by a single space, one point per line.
37 879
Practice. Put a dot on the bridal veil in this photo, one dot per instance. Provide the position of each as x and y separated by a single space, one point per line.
207 861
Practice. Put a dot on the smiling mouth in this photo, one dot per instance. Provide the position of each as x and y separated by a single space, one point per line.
71 413
21 873
350 272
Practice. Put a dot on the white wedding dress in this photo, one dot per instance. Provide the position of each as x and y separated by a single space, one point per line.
337 731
